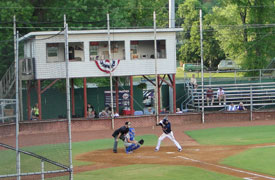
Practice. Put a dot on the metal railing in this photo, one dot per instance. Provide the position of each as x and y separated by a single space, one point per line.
7 110
234 75
43 159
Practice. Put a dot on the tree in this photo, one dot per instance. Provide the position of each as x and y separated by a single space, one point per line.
6 31
242 31
190 50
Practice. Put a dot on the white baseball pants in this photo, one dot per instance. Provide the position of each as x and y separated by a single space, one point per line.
171 137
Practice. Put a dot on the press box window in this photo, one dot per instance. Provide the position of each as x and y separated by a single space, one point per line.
55 52
76 52
99 50
144 49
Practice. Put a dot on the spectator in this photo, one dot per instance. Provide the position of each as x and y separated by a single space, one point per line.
150 111
209 96
90 110
35 112
178 111
221 95
103 114
116 114
193 82
232 107
164 111
241 107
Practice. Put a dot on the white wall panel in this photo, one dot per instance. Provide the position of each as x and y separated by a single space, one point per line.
88 68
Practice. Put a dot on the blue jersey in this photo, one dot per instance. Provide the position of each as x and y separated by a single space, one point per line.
166 128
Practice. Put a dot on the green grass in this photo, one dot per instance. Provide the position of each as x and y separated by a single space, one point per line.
31 164
182 74
234 135
59 153
152 172
257 159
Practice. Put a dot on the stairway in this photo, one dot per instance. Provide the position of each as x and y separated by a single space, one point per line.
7 83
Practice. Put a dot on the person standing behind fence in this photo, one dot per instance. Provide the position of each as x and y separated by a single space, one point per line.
35 112
120 134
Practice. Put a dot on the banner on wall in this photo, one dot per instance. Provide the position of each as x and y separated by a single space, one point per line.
123 99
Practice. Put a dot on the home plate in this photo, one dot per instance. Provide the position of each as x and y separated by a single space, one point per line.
170 152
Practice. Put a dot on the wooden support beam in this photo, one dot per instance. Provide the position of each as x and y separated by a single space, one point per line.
174 93
50 85
131 96
72 96
85 97
29 99
149 80
163 80
39 98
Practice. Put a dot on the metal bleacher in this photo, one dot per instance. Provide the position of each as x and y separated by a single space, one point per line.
260 95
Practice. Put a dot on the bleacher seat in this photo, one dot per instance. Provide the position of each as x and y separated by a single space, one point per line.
263 94
138 113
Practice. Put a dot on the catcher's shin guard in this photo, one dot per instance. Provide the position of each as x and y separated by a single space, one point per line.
132 147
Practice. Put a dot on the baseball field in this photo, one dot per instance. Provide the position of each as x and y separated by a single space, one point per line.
228 151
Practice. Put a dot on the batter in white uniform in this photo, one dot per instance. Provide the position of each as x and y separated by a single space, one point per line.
167 132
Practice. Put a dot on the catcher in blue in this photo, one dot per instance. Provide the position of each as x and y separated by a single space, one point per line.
167 132
130 143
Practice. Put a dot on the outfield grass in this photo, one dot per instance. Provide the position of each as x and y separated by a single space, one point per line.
234 135
152 172
257 159
182 74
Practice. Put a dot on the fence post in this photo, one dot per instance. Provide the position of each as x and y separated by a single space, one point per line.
2 108
235 77
42 170
210 78
251 104
260 76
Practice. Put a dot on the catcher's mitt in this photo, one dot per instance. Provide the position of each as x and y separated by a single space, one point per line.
141 141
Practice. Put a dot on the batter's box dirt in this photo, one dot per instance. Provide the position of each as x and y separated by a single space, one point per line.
206 157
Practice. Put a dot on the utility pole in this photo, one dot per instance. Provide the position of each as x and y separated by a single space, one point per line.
15 34
156 70
68 96
111 69
202 83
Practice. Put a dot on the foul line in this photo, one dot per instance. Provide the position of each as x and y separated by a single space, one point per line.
223 167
